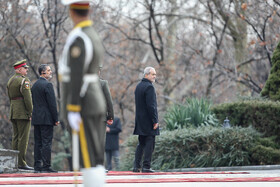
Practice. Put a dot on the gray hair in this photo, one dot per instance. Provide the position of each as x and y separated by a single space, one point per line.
147 71
42 68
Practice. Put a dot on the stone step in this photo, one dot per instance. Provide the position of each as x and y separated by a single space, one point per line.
8 161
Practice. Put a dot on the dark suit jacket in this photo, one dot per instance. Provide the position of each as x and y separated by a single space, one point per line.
44 103
146 109
112 137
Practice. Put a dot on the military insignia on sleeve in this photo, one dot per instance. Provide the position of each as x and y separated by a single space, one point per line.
75 52
27 85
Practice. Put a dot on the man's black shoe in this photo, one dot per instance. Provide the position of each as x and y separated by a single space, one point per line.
26 167
136 170
48 170
145 170
37 169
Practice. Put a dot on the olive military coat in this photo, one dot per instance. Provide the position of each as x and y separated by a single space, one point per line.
108 98
20 97
78 67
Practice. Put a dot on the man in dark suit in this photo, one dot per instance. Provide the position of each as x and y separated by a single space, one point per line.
146 120
44 117
112 143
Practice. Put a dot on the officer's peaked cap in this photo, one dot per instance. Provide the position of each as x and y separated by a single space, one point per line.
77 2
21 63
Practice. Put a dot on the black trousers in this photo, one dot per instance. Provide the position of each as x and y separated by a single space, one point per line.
43 135
146 145
115 155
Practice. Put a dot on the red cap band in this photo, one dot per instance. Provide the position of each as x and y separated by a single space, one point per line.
81 6
20 65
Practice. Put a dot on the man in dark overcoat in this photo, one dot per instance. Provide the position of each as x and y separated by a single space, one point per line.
146 120
44 118
112 143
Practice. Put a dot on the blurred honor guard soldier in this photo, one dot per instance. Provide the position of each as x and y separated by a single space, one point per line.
146 120
44 117
20 111
83 99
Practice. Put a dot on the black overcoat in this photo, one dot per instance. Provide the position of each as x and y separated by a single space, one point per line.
146 109
44 103
112 137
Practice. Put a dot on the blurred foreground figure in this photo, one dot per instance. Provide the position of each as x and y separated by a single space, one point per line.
82 100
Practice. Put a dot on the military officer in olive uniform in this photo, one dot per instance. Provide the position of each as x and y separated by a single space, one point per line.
20 110
108 99
109 104
83 100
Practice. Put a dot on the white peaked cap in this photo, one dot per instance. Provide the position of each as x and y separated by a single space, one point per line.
68 2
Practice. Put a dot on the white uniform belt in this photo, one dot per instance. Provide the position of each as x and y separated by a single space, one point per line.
89 78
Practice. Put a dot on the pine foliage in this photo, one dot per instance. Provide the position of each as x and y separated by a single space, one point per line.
271 89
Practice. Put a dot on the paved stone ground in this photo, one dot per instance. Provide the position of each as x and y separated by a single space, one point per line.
258 172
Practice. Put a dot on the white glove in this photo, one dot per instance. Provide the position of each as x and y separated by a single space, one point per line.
75 120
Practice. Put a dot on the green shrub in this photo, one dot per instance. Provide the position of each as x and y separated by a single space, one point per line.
204 146
58 161
265 155
268 142
266 151
194 112
127 156
263 115
176 117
